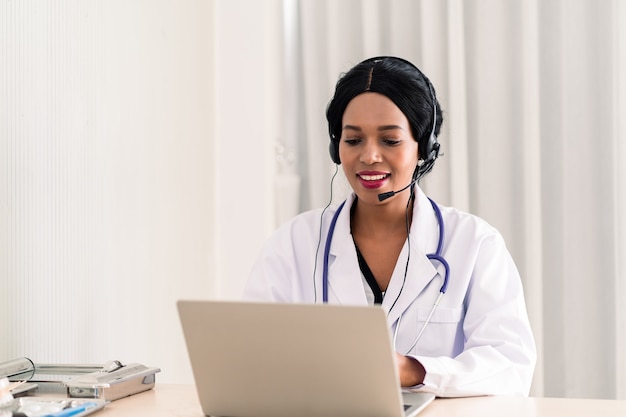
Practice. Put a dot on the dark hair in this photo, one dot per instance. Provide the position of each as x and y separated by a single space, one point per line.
405 85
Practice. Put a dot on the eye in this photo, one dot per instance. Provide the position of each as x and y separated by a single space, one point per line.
352 141
391 141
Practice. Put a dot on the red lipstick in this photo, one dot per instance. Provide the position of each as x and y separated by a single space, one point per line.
372 179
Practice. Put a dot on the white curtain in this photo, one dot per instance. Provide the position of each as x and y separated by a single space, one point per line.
534 98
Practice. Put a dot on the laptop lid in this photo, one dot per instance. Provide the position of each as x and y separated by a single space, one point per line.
285 360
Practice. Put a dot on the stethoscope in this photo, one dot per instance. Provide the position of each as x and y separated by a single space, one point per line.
432 256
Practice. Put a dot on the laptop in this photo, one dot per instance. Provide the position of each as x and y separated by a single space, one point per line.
284 360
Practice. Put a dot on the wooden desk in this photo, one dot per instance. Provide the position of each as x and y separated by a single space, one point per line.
181 401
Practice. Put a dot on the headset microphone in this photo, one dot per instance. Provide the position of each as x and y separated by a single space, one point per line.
389 194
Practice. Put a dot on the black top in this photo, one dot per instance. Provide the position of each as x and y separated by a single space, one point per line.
369 277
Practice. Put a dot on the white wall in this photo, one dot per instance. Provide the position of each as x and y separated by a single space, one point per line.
107 178
249 74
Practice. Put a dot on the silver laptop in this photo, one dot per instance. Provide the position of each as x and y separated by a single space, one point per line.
287 360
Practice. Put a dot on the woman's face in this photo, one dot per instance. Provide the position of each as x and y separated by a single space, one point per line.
377 150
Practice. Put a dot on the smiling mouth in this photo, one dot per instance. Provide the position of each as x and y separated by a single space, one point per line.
376 177
374 180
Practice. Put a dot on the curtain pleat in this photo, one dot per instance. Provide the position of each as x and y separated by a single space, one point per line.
618 54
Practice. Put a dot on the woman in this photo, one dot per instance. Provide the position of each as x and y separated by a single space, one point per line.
383 122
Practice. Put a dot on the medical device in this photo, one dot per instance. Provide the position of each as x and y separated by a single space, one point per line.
110 381
436 256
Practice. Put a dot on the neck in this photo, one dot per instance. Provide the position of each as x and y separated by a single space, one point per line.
382 219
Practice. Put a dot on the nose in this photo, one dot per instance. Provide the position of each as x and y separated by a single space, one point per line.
370 153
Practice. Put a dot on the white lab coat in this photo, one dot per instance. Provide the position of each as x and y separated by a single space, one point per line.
479 340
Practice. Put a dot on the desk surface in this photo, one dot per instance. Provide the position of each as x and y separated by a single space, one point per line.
167 400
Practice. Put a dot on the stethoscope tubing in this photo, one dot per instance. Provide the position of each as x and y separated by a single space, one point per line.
329 238
432 256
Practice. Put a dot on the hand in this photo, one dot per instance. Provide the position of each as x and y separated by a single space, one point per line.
411 371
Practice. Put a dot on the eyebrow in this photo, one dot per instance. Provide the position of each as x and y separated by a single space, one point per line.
380 128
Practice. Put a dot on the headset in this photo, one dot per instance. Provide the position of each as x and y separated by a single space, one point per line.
431 150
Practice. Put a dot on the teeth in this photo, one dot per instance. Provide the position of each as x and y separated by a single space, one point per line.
373 177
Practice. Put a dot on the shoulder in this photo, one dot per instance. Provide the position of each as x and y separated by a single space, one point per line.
306 225
465 219
468 228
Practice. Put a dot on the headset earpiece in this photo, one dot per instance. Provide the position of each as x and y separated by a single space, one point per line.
432 146
432 149
333 149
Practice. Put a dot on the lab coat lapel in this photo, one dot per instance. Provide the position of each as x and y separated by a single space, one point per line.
420 273
344 275
424 236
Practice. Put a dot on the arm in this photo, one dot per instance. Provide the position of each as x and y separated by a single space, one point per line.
284 269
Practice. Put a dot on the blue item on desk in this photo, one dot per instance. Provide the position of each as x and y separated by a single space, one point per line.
73 411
